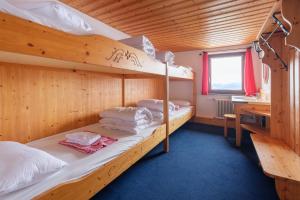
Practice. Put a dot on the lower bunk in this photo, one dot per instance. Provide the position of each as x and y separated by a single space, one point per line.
180 117
87 174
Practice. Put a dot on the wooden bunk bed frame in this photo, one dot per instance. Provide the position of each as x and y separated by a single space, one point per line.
178 122
25 42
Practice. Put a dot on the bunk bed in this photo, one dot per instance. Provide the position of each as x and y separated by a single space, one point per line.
25 42
186 113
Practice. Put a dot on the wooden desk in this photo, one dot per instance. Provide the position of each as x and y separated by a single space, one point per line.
246 107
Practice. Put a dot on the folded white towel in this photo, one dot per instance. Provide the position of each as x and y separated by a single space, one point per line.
116 121
157 115
82 138
128 113
155 104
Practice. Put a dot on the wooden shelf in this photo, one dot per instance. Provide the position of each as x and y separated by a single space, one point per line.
265 113
276 158
255 129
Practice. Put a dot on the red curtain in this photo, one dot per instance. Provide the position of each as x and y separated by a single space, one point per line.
249 80
205 74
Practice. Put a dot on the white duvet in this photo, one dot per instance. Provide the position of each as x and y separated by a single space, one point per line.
155 104
132 114
124 122
47 12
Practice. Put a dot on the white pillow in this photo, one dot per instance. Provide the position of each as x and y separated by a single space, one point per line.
181 103
21 166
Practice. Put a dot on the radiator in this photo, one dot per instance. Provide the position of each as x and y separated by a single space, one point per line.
224 106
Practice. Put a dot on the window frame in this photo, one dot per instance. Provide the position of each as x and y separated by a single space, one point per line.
214 91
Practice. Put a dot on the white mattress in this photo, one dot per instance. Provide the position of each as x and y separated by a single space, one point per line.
181 68
80 164
49 13
182 111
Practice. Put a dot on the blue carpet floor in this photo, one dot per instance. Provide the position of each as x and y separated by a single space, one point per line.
201 164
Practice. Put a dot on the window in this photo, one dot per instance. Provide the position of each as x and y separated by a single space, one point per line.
226 73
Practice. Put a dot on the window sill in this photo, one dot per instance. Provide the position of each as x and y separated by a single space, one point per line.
227 93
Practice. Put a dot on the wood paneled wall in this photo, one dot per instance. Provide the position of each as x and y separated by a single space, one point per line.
138 89
294 97
36 102
285 93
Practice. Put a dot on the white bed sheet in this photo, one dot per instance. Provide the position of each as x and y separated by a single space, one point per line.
79 164
181 69
181 111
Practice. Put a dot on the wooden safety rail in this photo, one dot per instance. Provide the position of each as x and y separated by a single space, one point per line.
44 46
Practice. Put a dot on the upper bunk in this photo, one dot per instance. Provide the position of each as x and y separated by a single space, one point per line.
180 73
26 42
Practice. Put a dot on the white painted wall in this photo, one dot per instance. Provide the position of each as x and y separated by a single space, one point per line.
206 105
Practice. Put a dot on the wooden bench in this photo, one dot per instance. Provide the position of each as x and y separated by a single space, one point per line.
253 128
281 163
265 113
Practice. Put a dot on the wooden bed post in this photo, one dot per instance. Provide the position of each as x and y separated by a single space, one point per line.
166 109
123 90
194 98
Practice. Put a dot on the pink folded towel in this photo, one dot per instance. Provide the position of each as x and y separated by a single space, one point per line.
99 144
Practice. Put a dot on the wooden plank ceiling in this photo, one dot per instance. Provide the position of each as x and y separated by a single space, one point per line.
181 25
